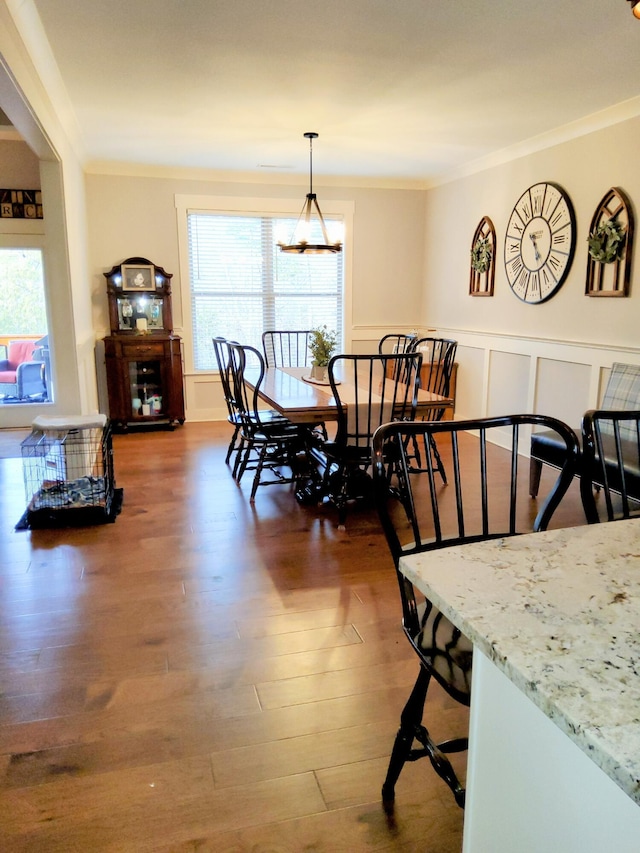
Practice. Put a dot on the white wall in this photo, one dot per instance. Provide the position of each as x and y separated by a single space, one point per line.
552 358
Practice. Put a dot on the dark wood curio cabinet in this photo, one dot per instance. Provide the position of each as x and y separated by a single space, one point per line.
143 357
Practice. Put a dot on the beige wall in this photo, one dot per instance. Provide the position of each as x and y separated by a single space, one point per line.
586 167
19 167
136 216
411 269
410 254
554 357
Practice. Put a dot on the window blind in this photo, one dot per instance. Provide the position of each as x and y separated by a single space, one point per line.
241 284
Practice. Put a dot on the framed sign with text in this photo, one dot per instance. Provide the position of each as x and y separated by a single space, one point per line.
20 204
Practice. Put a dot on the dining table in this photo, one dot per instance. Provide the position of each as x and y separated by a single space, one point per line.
554 734
289 391
292 393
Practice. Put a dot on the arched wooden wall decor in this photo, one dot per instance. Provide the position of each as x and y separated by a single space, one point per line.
483 259
610 246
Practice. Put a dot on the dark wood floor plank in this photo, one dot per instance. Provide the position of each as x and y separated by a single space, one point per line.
104 813
206 674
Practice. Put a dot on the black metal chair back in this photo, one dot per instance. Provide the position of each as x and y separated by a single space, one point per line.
438 358
382 388
610 464
221 351
246 398
369 390
394 344
270 442
286 348
488 499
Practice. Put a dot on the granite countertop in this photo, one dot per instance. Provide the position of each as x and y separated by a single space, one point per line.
559 613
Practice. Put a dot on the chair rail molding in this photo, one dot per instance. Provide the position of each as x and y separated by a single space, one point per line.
501 373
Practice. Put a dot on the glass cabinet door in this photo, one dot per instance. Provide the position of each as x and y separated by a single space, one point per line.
140 312
145 383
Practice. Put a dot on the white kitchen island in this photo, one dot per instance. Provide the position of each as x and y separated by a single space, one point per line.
554 751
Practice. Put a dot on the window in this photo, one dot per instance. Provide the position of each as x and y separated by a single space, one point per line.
241 284
23 324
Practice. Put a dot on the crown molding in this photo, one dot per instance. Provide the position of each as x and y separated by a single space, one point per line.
573 130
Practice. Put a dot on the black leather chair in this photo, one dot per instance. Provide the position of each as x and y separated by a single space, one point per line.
622 393
485 501
610 481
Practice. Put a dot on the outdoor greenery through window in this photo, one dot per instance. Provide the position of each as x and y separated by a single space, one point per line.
242 284
22 303
23 327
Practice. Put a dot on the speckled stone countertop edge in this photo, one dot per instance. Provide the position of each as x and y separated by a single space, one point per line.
549 610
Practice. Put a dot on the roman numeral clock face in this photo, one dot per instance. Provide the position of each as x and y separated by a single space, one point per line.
540 242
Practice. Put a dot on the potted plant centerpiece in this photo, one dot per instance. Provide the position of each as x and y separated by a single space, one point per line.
322 343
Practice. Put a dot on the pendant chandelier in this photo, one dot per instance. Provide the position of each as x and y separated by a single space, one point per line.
299 242
635 7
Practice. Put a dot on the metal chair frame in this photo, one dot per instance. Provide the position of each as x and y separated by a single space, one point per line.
393 378
288 348
438 358
269 441
610 464
394 344
221 351
417 514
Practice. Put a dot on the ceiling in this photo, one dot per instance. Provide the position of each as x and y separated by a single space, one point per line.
406 90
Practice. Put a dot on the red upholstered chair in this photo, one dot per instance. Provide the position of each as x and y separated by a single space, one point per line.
20 376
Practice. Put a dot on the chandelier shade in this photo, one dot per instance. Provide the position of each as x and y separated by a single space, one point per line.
300 241
635 7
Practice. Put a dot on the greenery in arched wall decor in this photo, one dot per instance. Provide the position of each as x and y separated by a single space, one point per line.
610 246
482 261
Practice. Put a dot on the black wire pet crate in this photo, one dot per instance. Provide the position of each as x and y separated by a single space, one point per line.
68 473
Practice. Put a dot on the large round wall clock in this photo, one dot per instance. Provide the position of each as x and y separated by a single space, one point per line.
540 242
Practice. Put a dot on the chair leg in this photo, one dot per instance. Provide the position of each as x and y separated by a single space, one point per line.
411 729
535 471
333 481
416 451
232 443
410 720
430 447
436 456
340 497
589 505
242 459
258 474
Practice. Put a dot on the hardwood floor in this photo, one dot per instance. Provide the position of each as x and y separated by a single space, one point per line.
205 674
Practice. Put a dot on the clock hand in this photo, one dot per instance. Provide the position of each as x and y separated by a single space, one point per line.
535 247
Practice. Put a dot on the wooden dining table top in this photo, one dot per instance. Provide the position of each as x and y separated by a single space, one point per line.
284 389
